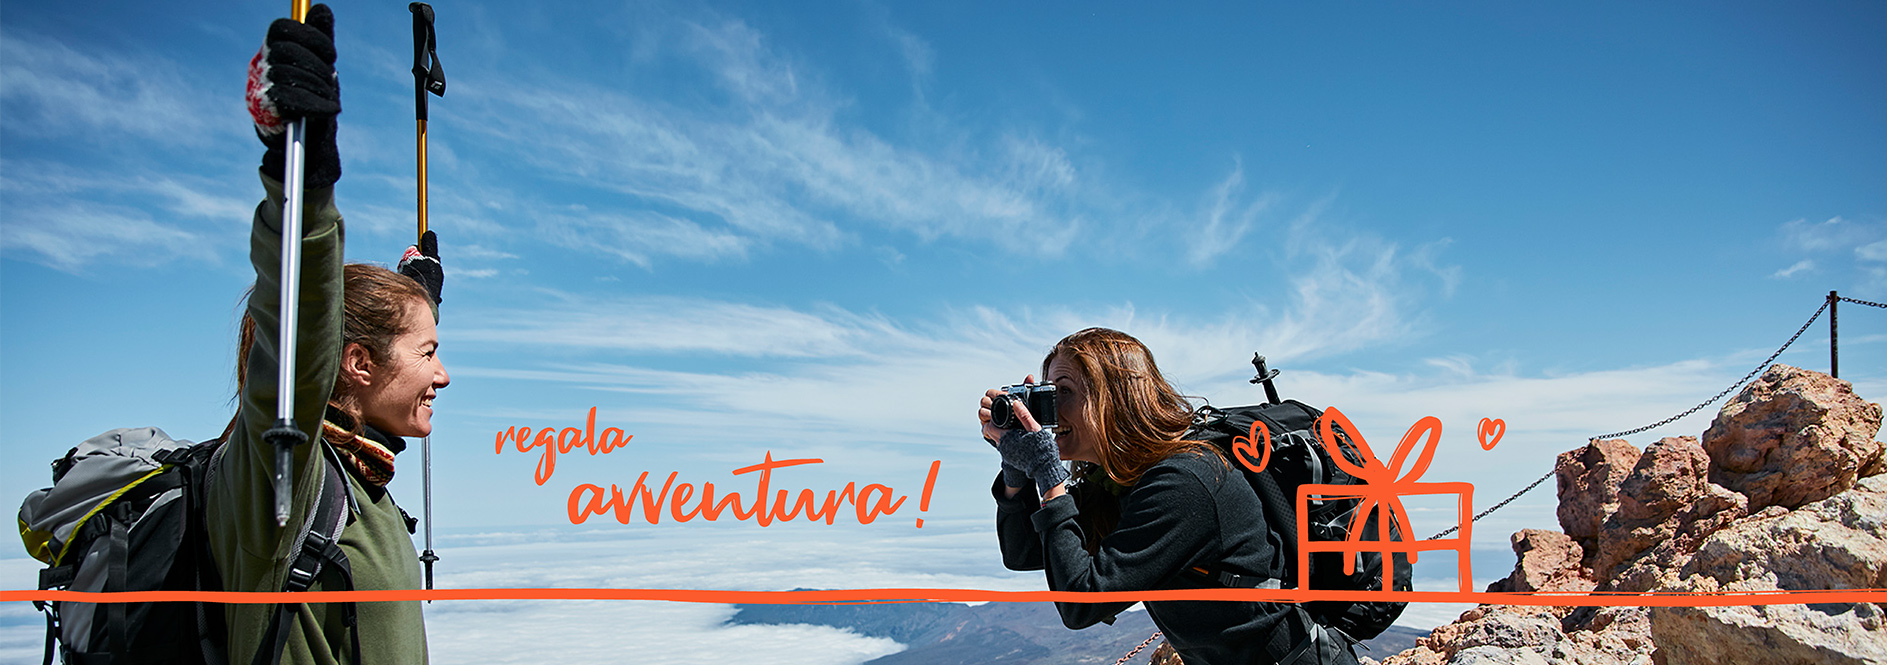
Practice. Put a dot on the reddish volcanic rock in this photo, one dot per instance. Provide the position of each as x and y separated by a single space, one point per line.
1792 437
1588 481
1548 561
1665 506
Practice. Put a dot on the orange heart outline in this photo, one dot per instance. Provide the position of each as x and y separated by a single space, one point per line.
1491 427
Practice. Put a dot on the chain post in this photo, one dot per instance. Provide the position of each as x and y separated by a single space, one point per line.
1834 345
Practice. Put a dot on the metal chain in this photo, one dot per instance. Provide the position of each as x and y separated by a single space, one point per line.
1746 377
1661 423
1672 419
1143 645
1497 506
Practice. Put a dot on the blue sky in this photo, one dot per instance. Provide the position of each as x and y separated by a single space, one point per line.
822 231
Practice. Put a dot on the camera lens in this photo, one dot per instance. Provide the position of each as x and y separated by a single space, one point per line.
1001 414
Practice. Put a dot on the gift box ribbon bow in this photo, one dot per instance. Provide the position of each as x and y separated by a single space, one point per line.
1382 486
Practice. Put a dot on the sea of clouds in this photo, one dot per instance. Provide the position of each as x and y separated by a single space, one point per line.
741 557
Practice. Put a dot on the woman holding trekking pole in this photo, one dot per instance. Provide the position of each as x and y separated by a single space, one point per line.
1144 508
365 372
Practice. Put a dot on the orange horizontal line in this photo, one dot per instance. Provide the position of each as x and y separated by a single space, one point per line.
870 596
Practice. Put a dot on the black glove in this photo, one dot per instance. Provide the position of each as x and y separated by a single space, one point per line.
293 78
421 263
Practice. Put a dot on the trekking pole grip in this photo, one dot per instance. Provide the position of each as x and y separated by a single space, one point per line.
284 436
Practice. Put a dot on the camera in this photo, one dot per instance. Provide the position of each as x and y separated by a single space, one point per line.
1038 397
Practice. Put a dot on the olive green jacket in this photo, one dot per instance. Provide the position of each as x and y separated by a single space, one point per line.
252 553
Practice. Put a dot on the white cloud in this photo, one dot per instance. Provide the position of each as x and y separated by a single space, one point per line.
1835 234
739 557
50 89
678 325
1876 251
602 632
1227 218
141 107
1350 296
482 252
1831 242
639 236
780 163
746 66
70 236
1790 271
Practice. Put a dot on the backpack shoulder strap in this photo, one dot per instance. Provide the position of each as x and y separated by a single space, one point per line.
320 549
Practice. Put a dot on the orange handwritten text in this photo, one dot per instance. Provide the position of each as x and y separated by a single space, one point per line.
683 502
555 442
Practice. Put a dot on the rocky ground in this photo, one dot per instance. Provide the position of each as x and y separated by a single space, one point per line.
1785 490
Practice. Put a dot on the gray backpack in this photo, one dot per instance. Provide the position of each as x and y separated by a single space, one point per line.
126 513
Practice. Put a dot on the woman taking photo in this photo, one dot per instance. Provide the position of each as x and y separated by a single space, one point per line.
1142 509
366 372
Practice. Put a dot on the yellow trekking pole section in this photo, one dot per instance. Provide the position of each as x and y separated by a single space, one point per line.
428 77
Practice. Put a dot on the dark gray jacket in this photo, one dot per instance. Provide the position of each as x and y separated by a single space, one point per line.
1189 510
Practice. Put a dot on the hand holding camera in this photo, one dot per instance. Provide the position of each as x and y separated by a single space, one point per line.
1027 445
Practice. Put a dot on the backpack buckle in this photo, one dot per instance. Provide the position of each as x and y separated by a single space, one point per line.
307 566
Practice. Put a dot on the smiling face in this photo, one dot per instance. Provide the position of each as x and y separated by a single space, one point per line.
395 393
1075 436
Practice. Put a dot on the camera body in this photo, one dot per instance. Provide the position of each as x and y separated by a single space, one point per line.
1038 397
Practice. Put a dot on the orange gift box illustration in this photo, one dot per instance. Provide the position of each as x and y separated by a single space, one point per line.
1383 488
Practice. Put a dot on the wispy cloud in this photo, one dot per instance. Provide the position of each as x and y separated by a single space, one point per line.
62 218
1841 245
1228 217
68 237
1875 251
775 160
143 111
51 89
1790 271
1835 234
682 325
1352 293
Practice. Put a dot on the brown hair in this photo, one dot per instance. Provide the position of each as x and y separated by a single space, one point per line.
374 304
1134 416
1134 419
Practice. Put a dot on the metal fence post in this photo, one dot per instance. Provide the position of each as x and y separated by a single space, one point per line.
1834 345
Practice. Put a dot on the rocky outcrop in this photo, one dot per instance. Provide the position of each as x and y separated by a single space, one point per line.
1666 505
1549 561
1784 491
1836 543
1792 437
1588 478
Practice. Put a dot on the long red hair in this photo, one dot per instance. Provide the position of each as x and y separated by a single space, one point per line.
1135 418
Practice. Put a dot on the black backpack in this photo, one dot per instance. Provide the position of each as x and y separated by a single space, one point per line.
1297 457
126 512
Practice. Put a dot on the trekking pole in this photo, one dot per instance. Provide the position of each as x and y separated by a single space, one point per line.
284 434
428 76
1265 375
